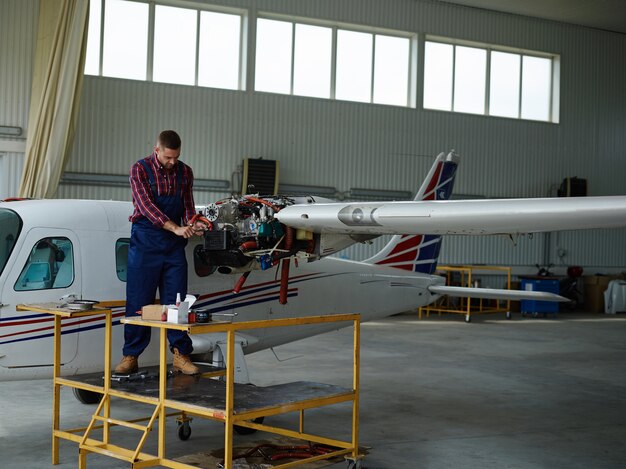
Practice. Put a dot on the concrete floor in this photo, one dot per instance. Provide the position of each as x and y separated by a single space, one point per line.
435 393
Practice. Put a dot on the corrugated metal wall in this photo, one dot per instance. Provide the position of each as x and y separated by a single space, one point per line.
18 29
11 165
344 145
18 26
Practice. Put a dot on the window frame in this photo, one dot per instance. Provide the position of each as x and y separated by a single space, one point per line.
412 37
119 243
49 239
415 67
16 236
241 12
554 98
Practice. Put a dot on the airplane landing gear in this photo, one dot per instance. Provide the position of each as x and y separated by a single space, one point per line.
246 430
87 397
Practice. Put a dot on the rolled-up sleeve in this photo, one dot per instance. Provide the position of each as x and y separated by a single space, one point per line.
143 198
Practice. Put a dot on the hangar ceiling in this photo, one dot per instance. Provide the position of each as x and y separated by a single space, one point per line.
609 15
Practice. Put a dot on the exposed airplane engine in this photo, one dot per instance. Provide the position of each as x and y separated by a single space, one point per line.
246 236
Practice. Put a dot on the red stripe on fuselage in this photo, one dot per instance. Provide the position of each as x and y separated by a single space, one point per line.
249 287
275 292
63 326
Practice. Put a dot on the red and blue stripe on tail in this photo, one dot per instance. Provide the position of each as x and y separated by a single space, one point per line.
419 253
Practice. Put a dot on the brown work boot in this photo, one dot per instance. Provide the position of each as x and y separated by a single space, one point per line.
183 364
127 366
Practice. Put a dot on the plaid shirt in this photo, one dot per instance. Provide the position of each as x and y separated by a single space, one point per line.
166 184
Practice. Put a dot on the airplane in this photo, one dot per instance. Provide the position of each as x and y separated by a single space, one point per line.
53 249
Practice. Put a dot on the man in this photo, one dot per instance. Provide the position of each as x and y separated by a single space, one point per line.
163 208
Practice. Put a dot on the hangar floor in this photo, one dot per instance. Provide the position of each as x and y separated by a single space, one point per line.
435 393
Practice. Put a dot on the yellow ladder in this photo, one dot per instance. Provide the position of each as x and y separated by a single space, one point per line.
91 445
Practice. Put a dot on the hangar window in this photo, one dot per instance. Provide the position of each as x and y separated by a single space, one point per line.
273 56
49 265
326 61
149 41
479 79
220 50
293 58
125 50
174 45
354 66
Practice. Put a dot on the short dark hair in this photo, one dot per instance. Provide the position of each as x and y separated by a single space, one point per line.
169 139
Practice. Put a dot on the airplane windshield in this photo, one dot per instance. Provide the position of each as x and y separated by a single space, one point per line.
10 227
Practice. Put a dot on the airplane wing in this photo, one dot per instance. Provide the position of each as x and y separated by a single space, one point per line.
469 217
496 293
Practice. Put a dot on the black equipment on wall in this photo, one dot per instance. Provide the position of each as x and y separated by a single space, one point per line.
573 187
260 176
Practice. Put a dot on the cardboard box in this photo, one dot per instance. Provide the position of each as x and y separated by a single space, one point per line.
594 288
154 312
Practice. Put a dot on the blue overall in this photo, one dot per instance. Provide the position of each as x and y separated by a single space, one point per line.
156 259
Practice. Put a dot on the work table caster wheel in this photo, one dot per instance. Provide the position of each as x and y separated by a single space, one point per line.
184 430
468 318
354 464
508 315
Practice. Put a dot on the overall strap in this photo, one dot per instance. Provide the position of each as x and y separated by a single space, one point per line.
179 179
151 179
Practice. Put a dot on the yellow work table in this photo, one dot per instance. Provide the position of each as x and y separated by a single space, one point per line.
221 400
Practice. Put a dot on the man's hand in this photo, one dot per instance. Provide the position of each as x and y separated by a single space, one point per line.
199 228
183 231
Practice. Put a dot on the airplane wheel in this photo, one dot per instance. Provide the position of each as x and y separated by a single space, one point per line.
246 430
184 431
87 397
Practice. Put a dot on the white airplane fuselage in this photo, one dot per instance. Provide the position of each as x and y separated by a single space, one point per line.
95 228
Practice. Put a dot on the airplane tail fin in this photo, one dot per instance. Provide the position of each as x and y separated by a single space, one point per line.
419 253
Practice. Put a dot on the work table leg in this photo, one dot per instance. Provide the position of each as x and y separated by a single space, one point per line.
162 386
56 392
230 397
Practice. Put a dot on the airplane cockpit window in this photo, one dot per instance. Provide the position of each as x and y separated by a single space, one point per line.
50 265
201 264
10 226
121 258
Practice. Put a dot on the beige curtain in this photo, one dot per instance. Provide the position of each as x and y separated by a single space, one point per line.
55 96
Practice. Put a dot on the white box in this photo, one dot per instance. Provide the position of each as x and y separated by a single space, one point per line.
178 315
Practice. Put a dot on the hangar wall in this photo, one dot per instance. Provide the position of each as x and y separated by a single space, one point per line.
345 144
18 26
